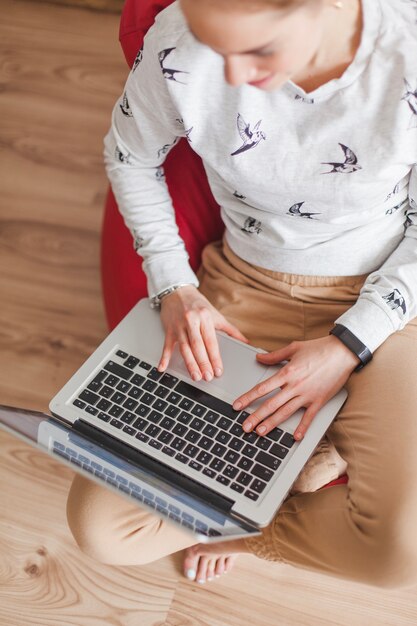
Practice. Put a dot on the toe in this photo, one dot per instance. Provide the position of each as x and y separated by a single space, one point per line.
202 569
220 565
191 563
211 566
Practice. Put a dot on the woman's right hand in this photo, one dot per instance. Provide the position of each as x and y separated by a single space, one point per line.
189 319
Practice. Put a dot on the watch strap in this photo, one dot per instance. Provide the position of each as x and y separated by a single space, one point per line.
354 344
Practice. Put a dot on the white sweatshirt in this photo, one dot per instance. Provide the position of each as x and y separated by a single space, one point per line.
319 183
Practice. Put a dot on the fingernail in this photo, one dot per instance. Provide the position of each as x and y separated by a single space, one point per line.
261 429
237 405
191 574
195 376
201 582
218 371
208 376
248 426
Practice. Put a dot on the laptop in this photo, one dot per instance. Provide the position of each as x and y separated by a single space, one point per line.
180 436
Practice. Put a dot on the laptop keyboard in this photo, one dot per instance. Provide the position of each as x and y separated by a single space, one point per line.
184 422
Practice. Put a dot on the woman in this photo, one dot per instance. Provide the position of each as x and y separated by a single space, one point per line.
305 115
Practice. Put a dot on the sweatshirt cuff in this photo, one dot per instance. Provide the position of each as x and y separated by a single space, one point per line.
368 322
166 271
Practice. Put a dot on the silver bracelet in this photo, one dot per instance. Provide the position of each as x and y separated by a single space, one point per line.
155 302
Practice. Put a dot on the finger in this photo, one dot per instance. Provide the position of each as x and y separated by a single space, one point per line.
278 355
280 416
166 353
267 409
188 356
306 420
261 389
212 346
199 350
233 331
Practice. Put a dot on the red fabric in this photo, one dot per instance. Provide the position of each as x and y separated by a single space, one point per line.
197 213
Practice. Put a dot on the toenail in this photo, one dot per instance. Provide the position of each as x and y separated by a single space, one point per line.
201 581
210 578
191 574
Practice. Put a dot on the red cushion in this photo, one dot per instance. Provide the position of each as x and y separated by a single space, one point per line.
197 213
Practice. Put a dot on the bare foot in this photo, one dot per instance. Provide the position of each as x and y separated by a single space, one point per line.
208 561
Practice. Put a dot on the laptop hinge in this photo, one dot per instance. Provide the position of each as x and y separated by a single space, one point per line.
160 470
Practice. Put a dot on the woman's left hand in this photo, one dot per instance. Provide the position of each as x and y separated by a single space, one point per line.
316 371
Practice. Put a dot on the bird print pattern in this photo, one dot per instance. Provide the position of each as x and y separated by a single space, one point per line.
137 241
410 97
169 73
122 157
349 165
394 191
250 138
238 195
395 300
394 209
124 106
138 59
166 147
160 174
252 225
295 211
304 99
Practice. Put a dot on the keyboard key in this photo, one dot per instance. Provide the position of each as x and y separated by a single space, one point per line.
267 459
168 380
204 457
160 405
184 418
98 378
195 465
106 391
129 430
142 437
161 391
155 416
118 398
263 443
211 417
197 423
147 398
79 404
182 458
287 440
167 423
128 417
251 495
103 405
104 417
250 437
275 434
278 450
224 423
154 374
230 471
137 380
237 487
89 396
130 404
223 437
168 451
172 411
262 472
112 380
155 444
179 429
142 410
205 443
231 456
149 385
186 404
145 365
131 362
198 410
222 479
193 436
250 451
140 423
123 386
242 417
217 465
210 430
191 450
237 429
209 472
245 463
121 354
165 436
116 411
173 396
93 386
116 423
236 444
135 393
244 478
206 399
258 485
178 443
218 450
91 410
118 370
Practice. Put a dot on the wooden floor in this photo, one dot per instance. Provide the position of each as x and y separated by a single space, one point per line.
61 70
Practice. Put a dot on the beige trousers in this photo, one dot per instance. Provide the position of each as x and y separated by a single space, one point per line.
363 531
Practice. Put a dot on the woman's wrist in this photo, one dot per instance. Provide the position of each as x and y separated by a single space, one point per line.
351 359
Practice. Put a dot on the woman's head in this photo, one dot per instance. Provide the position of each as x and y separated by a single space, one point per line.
260 39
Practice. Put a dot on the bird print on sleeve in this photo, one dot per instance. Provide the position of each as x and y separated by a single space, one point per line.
167 146
122 157
250 138
395 208
394 191
138 59
169 73
349 165
252 225
295 211
304 99
410 97
395 300
239 196
125 108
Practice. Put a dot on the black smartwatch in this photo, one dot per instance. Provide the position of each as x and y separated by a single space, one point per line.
354 344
